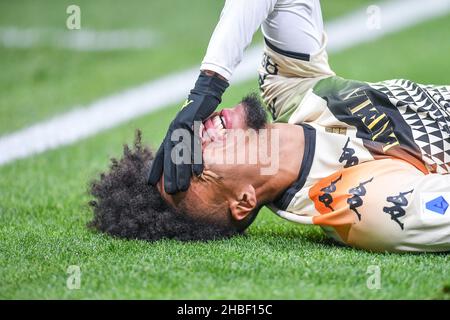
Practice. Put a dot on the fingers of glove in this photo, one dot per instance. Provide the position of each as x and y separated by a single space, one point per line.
197 168
178 160
170 170
157 166
197 156
183 176
184 166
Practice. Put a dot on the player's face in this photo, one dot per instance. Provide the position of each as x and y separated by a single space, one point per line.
230 141
228 138
220 123
249 114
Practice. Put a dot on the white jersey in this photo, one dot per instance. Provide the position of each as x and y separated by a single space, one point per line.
291 26
376 164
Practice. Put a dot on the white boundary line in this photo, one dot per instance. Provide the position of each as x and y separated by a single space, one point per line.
111 111
78 40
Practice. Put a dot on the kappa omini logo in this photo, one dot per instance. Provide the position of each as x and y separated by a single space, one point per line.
396 208
326 198
356 201
348 156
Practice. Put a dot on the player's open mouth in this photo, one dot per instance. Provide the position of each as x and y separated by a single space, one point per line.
215 127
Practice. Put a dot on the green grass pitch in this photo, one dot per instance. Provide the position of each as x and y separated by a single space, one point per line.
43 209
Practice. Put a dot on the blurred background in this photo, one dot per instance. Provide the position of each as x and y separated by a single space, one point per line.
47 70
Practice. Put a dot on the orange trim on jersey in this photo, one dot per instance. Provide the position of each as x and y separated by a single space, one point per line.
397 152
402 154
330 197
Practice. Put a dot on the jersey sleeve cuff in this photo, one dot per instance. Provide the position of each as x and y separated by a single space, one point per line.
224 72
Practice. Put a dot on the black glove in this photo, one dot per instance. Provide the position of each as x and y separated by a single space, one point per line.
201 103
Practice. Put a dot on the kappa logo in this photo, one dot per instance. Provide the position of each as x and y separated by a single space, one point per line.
438 205
348 156
355 201
397 211
326 198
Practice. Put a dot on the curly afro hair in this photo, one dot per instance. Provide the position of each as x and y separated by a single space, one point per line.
125 206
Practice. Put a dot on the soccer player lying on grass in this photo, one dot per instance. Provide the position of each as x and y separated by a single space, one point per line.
368 181
293 27
368 162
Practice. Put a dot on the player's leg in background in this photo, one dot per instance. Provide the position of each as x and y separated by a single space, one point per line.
295 56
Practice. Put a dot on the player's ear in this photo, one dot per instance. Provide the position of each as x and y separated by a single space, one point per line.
243 203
